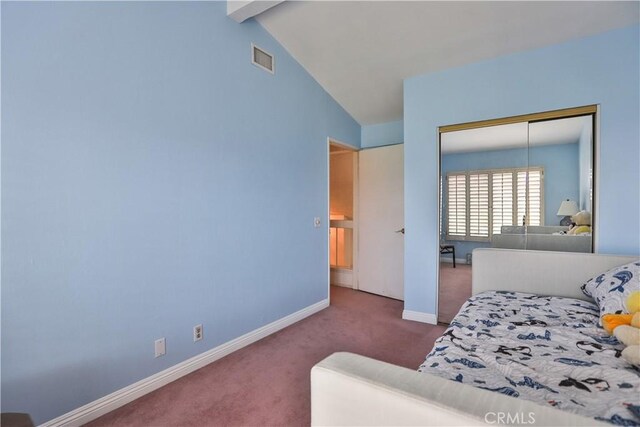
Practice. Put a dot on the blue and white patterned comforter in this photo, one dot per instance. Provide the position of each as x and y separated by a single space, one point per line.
549 350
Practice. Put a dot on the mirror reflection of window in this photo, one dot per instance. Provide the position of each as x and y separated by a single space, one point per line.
481 202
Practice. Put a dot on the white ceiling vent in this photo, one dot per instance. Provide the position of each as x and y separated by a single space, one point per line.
262 59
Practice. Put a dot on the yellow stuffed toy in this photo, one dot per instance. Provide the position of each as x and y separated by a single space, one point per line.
582 221
626 328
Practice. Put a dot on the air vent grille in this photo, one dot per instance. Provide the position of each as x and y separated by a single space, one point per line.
262 59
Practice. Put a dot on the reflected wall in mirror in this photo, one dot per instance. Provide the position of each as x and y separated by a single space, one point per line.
521 185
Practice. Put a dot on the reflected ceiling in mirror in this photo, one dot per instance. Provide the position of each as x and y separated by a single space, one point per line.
514 135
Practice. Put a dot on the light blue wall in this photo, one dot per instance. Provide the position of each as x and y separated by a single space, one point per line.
602 69
382 134
152 179
585 144
561 176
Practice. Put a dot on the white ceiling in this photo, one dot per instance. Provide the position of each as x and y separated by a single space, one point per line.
561 131
360 51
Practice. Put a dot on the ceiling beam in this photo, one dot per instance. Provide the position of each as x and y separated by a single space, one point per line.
240 11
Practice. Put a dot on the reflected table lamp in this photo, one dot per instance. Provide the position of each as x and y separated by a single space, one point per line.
568 208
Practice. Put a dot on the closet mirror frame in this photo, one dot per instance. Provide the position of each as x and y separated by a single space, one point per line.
587 110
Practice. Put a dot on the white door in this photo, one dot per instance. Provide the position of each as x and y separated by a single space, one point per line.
381 217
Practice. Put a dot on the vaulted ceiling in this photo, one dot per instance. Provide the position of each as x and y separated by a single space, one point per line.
360 51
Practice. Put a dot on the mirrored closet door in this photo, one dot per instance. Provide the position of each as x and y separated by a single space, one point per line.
517 183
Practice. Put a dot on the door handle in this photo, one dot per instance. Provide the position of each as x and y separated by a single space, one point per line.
400 231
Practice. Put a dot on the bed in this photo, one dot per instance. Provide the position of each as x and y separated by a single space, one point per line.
548 350
538 343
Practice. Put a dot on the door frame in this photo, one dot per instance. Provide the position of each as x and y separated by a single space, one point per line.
593 110
354 267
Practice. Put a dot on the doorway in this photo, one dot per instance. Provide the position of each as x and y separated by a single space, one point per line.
366 217
343 180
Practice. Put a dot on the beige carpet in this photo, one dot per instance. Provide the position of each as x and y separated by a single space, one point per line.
454 290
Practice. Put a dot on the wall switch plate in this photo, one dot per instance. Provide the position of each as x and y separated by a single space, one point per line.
317 222
197 333
160 347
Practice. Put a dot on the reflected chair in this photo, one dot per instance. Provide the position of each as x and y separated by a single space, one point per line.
449 249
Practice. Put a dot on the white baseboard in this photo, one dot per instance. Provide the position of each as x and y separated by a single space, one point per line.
97 408
419 316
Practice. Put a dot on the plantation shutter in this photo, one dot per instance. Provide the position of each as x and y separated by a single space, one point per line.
521 199
502 200
535 197
529 190
457 205
479 205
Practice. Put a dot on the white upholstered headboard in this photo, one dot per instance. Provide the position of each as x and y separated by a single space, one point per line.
538 272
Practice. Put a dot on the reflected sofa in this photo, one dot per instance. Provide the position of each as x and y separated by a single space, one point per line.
540 238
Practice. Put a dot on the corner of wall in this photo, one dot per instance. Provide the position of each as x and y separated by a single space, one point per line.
381 134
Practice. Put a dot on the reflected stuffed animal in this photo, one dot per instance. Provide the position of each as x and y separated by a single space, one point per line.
582 223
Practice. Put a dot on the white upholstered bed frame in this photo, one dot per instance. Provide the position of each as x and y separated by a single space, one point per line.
352 390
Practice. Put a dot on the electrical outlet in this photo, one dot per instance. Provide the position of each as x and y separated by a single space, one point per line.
197 333
160 347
